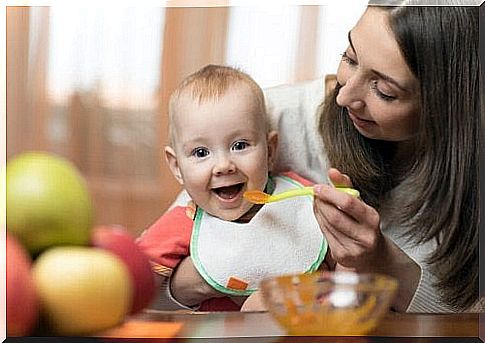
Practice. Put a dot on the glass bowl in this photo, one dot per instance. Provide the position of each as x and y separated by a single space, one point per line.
328 303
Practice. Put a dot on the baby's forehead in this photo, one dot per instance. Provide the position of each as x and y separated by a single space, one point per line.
201 93
207 122
236 97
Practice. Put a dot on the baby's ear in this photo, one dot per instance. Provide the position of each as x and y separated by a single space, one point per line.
272 138
171 158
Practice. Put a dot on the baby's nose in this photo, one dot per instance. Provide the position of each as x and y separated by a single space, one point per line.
224 165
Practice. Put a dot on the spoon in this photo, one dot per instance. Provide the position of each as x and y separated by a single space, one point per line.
259 197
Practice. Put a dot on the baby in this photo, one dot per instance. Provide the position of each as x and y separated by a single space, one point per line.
221 146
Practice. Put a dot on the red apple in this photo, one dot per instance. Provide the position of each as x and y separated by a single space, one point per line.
119 241
22 300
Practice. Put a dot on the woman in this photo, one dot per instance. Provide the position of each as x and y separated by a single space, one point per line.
402 127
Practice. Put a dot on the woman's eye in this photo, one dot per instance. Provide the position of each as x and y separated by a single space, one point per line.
380 94
200 152
348 60
240 146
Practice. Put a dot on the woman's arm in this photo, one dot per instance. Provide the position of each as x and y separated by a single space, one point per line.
393 261
427 296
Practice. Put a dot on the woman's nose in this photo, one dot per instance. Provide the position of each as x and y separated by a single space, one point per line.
351 94
224 165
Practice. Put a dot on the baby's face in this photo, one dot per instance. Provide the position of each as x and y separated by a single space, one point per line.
221 149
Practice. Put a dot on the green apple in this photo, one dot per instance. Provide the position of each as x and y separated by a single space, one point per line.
82 290
47 202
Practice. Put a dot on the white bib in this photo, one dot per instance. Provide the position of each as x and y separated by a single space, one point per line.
282 238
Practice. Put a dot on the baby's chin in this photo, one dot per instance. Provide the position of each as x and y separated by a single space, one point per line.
230 214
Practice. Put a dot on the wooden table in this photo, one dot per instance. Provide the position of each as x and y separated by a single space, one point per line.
260 327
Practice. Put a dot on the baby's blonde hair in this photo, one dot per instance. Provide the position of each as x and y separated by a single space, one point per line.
210 83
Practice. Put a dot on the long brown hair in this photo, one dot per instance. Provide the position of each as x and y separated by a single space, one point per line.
438 195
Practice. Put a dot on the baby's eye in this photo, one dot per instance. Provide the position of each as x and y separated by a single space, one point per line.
200 152
241 145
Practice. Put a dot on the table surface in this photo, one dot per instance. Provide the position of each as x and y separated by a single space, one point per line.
395 327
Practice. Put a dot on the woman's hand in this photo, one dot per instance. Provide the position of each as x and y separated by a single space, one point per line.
352 230
350 226
188 286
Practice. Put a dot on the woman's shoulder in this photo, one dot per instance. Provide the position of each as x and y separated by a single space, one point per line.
292 112
301 99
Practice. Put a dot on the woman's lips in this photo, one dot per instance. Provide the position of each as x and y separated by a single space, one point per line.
359 121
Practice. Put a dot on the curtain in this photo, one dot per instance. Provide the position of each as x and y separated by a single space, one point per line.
92 83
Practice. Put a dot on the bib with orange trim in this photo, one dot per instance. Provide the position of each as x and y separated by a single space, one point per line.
282 238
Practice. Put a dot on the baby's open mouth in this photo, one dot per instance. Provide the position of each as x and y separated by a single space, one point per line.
228 192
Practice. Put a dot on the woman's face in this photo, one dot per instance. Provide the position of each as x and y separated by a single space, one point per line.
378 89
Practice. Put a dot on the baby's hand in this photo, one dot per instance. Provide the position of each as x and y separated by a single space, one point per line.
189 287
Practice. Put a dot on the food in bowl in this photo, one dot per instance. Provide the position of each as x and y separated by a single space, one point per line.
329 303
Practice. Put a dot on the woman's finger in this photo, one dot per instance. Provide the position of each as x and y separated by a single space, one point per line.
339 179
343 250
348 239
336 221
338 239
351 206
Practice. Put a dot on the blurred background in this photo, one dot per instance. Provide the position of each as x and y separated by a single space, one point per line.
91 83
